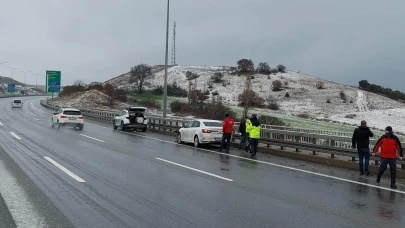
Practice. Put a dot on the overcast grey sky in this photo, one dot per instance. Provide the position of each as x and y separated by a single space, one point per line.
94 40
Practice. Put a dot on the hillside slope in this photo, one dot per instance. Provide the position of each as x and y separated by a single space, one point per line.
304 96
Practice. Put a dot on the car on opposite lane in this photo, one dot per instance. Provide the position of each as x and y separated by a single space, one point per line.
68 117
133 117
200 131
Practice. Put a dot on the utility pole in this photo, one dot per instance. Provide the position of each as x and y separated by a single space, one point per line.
166 59
12 70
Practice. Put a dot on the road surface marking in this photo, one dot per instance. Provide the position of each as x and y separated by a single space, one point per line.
74 176
36 108
36 119
15 136
22 113
197 170
20 206
1 124
91 138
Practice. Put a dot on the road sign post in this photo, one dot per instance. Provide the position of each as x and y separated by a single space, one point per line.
53 79
11 88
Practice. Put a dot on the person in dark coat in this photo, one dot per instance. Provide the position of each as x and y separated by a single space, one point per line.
242 130
390 148
361 141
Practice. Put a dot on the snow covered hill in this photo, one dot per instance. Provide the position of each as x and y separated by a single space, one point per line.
304 95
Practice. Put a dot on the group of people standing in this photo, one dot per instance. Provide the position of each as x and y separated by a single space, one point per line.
390 148
249 128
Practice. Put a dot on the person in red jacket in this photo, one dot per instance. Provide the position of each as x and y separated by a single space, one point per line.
390 147
227 129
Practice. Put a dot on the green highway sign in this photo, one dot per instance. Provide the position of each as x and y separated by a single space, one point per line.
11 88
53 79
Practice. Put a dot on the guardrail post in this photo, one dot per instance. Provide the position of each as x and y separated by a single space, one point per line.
313 142
268 135
297 139
283 137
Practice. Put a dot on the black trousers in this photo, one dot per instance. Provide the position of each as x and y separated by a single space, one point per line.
393 168
225 137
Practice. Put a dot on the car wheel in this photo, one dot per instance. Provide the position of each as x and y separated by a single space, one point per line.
178 139
196 142
122 126
81 126
114 126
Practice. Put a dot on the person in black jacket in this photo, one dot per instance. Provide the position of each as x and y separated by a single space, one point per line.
242 131
361 140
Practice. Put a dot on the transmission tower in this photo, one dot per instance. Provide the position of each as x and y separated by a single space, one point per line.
174 46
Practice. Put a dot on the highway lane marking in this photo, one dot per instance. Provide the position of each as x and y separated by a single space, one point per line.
91 138
37 109
74 176
15 136
1 124
266 163
22 113
36 119
197 170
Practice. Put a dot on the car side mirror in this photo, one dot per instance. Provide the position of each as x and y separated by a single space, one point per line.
181 126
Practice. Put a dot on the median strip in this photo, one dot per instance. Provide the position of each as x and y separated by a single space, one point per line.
91 138
59 166
197 170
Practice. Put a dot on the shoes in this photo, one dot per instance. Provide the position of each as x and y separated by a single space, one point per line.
368 173
393 185
378 180
361 173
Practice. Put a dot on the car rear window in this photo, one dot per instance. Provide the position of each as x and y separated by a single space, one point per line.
17 101
213 124
72 113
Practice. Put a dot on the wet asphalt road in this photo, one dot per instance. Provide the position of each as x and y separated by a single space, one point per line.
146 180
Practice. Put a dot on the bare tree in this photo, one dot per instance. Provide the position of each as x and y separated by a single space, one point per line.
263 68
245 65
78 83
140 74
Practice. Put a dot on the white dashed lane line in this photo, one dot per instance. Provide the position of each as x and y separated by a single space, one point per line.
59 166
92 138
14 135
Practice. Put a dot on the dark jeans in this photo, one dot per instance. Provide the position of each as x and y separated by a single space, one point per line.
227 137
254 143
364 153
393 168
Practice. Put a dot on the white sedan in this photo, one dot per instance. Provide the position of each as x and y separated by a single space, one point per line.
200 132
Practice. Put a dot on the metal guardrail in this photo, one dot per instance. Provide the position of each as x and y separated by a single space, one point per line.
317 143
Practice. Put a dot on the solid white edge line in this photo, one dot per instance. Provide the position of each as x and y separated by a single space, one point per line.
263 162
37 109
74 176
15 136
197 170
91 138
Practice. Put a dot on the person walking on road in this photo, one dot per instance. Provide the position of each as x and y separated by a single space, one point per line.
361 141
243 133
254 130
390 147
227 129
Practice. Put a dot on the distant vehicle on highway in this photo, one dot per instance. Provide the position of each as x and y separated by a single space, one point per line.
16 103
200 131
68 117
131 118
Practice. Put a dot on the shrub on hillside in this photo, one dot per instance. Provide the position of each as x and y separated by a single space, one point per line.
303 115
96 86
274 71
273 105
342 96
181 107
285 84
350 116
148 103
173 90
287 95
251 98
328 101
245 65
277 85
271 120
263 68
320 85
217 77
281 68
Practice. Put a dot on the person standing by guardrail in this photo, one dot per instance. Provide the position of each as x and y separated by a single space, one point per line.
227 129
254 130
361 140
390 146
243 133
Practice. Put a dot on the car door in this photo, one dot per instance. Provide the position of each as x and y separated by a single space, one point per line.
119 118
55 117
195 130
185 133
